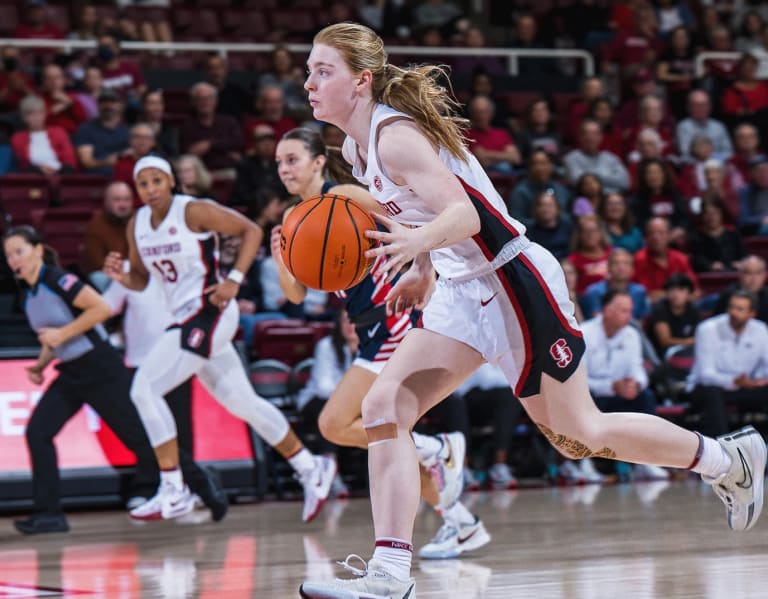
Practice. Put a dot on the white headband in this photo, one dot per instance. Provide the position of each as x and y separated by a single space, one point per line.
152 162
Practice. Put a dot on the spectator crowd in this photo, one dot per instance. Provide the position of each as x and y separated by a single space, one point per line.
648 181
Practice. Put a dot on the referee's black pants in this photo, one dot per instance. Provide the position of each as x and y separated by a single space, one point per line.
180 402
99 379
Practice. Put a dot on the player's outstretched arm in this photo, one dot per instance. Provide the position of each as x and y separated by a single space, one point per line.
206 215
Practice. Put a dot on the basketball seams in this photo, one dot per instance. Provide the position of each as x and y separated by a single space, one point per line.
296 230
328 223
326 236
356 276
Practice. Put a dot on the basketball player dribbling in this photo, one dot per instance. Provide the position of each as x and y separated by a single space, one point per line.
303 160
173 236
499 298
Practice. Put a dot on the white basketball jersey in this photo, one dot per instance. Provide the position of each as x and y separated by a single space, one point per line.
185 262
468 257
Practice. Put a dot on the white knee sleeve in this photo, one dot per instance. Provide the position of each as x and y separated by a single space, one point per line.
225 379
153 410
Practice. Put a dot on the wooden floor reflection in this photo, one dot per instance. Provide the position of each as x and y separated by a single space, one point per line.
635 541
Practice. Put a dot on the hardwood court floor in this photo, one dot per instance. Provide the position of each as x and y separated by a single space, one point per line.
578 542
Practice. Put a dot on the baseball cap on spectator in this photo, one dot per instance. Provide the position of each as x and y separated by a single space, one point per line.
758 160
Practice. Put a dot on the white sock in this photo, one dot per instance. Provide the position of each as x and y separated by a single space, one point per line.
456 515
714 460
302 461
395 555
172 477
428 448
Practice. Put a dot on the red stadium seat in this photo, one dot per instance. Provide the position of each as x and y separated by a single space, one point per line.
300 374
290 344
517 102
82 190
21 194
244 23
260 328
176 101
715 282
757 246
64 230
270 378
221 189
293 20
322 329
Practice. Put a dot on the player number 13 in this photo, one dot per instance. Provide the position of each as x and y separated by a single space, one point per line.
167 270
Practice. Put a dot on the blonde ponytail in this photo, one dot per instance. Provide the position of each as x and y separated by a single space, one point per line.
416 91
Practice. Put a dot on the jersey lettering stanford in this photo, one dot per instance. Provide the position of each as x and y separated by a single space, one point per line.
184 261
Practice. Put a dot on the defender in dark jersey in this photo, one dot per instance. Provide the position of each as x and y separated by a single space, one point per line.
67 316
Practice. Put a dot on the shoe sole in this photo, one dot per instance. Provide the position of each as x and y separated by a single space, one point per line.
347 595
327 491
757 448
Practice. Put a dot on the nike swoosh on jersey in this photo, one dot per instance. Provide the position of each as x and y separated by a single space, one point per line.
484 303
372 332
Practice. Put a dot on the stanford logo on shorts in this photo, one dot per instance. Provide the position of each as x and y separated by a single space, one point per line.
195 338
377 183
561 353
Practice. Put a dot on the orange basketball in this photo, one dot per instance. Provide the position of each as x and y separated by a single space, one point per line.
323 242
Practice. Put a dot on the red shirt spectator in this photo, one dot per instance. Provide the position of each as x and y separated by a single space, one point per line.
63 108
142 142
638 46
590 269
60 143
280 126
656 261
37 26
740 99
493 146
121 76
591 89
591 249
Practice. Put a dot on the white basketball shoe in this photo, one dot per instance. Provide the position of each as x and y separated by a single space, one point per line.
741 488
450 542
169 502
317 486
372 582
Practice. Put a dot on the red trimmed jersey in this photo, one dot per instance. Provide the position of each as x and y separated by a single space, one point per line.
468 256
185 262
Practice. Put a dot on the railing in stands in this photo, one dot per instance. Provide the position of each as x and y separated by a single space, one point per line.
511 54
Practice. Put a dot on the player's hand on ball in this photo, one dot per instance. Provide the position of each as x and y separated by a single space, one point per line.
274 243
400 244
222 293
412 291
113 266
